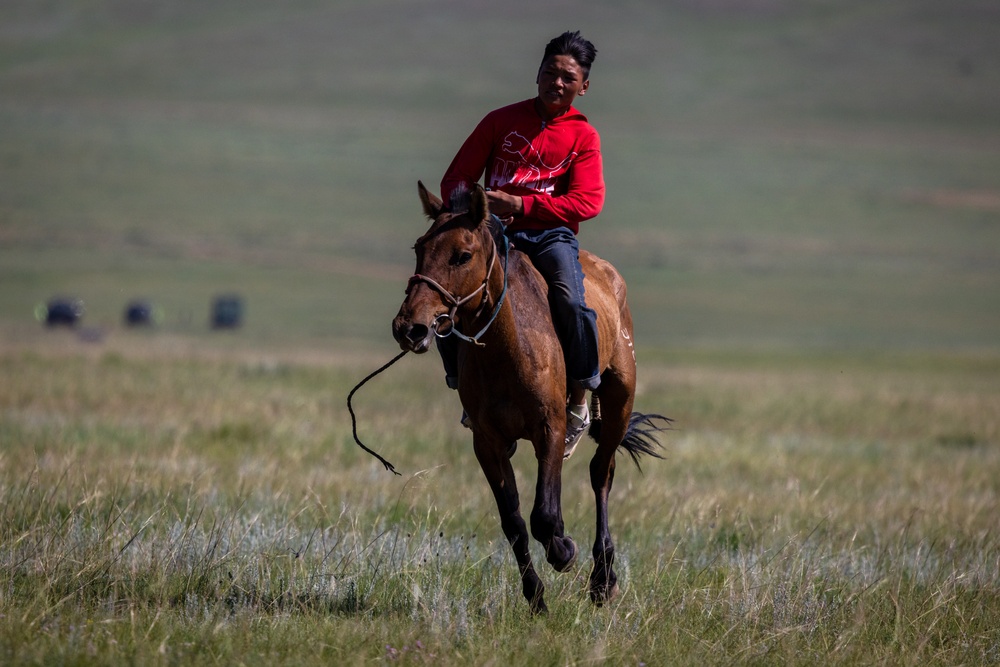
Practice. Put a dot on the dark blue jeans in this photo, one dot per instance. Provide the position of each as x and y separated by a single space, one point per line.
556 255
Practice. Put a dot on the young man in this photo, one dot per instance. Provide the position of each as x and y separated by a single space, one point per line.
544 175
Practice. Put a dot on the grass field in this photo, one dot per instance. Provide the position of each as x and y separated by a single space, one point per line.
216 510
803 197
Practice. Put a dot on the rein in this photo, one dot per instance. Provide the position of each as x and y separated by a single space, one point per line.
354 420
456 302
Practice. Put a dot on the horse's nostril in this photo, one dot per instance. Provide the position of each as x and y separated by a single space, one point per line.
417 333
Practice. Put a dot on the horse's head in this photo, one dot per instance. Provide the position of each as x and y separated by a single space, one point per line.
454 261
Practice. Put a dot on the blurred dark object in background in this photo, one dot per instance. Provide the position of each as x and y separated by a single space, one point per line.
227 312
63 311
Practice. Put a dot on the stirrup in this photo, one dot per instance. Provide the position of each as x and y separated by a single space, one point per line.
576 427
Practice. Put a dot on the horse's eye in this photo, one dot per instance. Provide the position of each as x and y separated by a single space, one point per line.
461 258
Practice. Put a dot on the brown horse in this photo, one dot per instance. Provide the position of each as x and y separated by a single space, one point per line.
512 377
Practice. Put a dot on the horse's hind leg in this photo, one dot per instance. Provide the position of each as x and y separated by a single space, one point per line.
500 475
616 404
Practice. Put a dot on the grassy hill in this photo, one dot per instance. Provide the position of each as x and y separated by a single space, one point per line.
790 175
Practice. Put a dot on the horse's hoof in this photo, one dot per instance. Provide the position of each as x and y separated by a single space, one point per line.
571 560
538 607
602 595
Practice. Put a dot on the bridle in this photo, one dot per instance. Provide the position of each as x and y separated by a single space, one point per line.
456 302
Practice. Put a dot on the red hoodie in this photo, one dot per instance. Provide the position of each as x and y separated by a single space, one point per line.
554 167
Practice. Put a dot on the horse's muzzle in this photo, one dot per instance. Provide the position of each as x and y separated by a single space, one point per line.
411 336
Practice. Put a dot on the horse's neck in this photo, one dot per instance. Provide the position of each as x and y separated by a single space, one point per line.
525 297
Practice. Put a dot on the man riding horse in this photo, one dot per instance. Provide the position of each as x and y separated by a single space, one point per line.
499 314
544 176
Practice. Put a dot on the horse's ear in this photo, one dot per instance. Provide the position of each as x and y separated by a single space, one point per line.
480 207
432 203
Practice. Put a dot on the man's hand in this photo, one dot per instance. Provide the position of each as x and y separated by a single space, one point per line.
504 206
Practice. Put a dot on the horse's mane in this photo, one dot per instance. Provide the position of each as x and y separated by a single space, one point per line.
459 204
461 199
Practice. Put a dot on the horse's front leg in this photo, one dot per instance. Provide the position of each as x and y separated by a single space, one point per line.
496 466
546 516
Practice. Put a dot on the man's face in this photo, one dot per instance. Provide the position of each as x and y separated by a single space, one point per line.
560 80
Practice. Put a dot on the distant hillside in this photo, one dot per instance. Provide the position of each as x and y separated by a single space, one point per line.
781 173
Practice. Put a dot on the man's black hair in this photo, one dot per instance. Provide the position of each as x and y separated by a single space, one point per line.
574 45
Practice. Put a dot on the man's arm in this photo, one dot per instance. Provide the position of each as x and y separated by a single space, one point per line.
584 197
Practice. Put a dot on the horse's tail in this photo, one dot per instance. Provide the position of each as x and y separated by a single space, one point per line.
641 437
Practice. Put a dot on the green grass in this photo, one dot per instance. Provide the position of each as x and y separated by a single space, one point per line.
802 197
206 509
